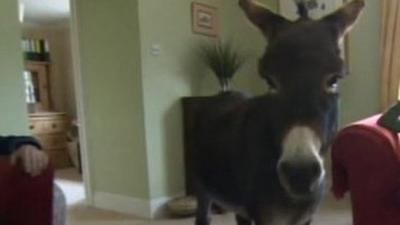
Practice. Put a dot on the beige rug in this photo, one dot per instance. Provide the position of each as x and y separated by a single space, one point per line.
331 213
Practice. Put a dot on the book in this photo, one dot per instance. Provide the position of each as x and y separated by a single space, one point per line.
36 49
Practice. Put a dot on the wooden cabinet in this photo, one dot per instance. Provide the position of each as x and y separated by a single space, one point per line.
191 106
51 131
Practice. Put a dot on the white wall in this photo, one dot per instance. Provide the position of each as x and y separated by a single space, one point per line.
13 111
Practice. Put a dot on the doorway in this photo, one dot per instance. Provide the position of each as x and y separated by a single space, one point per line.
53 93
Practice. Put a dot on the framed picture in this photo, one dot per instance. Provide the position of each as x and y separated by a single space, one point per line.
205 19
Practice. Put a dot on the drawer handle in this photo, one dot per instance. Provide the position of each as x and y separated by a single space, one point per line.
54 125
31 127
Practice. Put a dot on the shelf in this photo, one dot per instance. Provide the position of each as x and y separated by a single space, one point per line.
37 62
44 114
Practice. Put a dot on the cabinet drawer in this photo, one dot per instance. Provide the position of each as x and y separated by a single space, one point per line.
52 141
36 127
48 126
54 126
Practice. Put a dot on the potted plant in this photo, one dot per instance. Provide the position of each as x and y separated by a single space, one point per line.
223 61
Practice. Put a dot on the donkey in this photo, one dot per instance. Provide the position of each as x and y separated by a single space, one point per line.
262 157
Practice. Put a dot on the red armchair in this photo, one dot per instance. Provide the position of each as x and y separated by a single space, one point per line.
25 200
366 162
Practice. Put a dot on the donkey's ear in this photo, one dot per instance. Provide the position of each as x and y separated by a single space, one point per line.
344 18
268 22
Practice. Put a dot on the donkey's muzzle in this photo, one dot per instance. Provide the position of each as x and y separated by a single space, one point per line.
300 178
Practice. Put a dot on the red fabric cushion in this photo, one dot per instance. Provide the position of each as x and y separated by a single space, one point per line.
366 161
25 200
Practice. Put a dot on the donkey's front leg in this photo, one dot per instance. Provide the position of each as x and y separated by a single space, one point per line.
203 210
242 221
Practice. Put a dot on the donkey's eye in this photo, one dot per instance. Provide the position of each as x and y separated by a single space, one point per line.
332 84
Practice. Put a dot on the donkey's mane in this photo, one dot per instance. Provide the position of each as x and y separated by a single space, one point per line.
302 9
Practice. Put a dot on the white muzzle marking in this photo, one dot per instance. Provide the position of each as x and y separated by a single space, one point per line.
302 144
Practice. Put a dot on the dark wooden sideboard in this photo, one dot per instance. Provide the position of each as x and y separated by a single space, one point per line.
191 108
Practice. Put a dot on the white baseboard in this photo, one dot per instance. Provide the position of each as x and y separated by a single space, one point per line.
122 204
144 208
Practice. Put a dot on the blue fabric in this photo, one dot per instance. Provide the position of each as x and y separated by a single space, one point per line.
11 143
59 206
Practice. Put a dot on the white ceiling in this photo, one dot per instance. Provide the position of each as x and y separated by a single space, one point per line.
46 12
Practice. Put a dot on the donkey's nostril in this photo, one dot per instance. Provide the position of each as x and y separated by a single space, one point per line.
300 176
287 168
310 169
315 169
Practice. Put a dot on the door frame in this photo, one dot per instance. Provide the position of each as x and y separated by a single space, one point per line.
85 156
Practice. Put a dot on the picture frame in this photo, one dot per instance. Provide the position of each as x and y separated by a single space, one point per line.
205 19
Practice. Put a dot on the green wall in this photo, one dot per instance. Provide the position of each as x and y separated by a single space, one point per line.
361 90
166 78
177 72
110 68
13 111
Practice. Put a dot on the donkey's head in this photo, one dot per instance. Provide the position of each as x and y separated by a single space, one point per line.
302 65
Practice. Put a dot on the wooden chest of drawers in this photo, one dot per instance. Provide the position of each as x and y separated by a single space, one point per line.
51 131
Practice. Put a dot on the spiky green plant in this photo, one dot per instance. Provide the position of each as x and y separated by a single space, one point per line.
223 60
